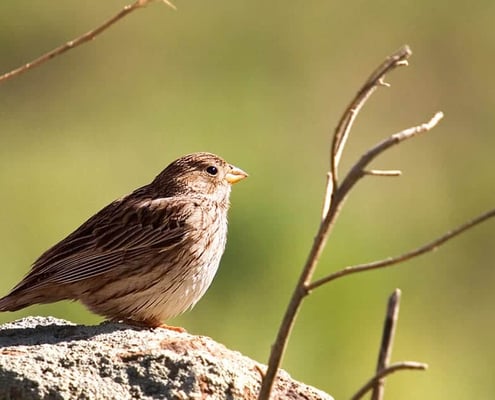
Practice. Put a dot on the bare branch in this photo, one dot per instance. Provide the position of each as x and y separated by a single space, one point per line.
387 371
431 246
399 58
88 36
357 171
389 327
341 133
336 200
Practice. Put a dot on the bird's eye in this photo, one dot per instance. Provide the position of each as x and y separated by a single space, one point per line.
212 170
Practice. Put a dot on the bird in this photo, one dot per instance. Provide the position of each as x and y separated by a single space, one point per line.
147 256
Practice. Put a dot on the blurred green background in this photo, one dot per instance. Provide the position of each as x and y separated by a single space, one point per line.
263 84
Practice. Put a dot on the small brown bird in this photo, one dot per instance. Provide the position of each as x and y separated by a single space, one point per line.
146 257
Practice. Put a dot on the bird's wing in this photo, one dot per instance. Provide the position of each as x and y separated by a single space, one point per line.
119 233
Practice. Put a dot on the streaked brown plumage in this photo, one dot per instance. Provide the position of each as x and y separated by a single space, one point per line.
146 257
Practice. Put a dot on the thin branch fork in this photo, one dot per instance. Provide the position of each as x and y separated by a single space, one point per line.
358 170
376 79
387 371
342 131
88 36
428 247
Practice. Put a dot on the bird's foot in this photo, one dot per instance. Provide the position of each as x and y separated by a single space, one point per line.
172 328
151 323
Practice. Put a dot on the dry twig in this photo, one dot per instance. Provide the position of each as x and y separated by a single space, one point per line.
335 195
389 327
343 129
387 371
331 208
431 246
88 36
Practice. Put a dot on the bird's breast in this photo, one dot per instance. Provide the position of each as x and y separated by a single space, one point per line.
194 269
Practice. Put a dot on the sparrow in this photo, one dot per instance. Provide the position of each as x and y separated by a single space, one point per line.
146 257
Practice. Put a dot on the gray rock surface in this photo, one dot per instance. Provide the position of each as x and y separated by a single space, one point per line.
49 358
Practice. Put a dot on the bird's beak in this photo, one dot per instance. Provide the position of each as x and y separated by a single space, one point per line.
235 175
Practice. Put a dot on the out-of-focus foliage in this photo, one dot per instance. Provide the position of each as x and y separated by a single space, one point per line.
263 84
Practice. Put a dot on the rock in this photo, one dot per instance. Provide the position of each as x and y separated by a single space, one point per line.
49 358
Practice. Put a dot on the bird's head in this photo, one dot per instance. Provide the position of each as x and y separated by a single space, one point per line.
198 173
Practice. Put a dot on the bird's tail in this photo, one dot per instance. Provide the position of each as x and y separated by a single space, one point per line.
18 299
11 302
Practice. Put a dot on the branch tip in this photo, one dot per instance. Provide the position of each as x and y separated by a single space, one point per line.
414 365
378 172
404 52
381 82
387 343
436 118
170 4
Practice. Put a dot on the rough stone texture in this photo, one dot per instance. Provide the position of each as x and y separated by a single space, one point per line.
48 358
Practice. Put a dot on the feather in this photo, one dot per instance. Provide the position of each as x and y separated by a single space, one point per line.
119 238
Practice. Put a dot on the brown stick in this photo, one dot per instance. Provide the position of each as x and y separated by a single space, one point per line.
389 327
431 246
337 198
387 371
304 285
341 133
90 35
358 169
399 58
